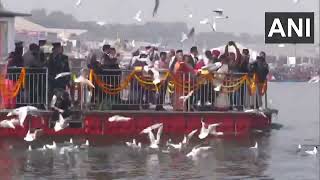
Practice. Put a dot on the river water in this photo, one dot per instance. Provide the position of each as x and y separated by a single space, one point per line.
231 158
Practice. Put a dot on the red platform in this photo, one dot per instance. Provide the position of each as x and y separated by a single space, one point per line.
96 123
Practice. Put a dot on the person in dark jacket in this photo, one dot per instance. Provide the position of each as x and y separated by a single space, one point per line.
58 63
16 60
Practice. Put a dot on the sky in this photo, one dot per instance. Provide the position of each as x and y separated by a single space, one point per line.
245 15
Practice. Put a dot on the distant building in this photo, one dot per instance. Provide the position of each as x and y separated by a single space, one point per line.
7 30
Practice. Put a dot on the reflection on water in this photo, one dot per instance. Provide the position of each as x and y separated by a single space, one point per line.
229 158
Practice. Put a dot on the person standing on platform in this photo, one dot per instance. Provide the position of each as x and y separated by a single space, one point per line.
58 63
16 59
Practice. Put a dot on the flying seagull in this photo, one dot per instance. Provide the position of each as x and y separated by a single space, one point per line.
155 9
154 141
186 139
185 98
22 113
82 80
137 16
219 11
63 75
191 33
117 118
7 124
61 124
204 132
78 3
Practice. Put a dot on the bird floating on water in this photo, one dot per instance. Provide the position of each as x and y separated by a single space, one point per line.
134 144
32 136
313 152
197 151
255 146
53 146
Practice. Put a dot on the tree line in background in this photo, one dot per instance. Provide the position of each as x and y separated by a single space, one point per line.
168 34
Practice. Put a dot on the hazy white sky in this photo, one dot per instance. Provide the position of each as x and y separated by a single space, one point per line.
245 15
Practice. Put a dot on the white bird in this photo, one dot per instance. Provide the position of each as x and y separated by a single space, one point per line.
82 80
214 26
186 139
175 146
133 44
296 1
255 146
60 124
184 37
314 80
190 15
22 113
219 11
86 145
204 21
257 111
32 136
134 144
44 148
101 23
62 75
185 98
150 128
117 118
137 16
7 124
29 148
204 132
154 142
314 152
53 146
196 152
78 3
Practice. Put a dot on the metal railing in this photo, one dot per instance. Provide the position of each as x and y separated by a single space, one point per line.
34 92
206 96
134 94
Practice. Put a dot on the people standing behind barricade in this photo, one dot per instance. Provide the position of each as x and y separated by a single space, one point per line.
16 59
182 71
222 102
215 56
58 63
35 80
175 59
112 77
162 66
244 69
137 94
43 57
203 96
261 69
194 54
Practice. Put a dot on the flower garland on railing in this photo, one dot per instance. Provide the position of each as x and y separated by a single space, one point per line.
19 84
229 85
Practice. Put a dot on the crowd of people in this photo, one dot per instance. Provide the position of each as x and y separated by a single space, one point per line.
176 62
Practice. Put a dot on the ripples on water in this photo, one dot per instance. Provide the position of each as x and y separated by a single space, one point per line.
230 158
